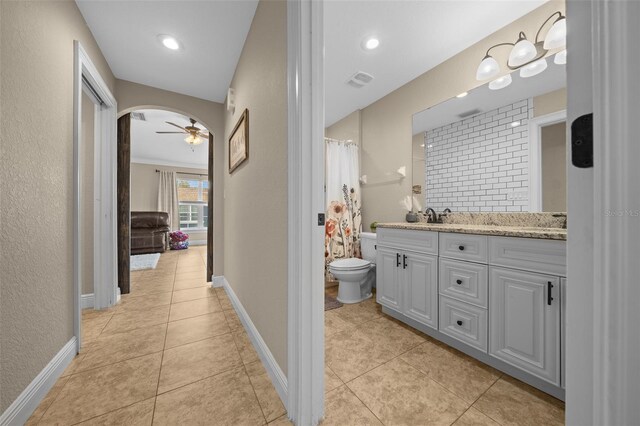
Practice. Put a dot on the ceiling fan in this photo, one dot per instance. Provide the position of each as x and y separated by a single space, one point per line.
195 136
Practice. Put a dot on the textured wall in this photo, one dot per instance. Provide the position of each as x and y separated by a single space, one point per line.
387 123
479 163
36 184
133 96
144 189
255 237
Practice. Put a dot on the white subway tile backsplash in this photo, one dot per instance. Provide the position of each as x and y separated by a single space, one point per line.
475 164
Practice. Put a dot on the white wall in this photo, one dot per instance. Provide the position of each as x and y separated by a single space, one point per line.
481 162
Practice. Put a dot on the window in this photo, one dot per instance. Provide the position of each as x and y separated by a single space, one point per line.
193 196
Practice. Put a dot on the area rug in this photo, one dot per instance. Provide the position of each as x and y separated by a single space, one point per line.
144 261
331 303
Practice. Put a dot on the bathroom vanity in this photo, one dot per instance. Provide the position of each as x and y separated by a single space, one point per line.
495 293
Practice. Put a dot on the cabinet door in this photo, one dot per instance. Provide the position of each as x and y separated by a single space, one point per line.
524 325
387 277
420 288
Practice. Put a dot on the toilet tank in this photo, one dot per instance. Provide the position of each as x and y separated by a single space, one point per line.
368 246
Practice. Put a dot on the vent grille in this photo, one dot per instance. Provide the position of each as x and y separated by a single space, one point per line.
470 113
360 79
138 116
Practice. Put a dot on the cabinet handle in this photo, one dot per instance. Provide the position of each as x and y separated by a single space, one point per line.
549 298
397 260
459 322
458 281
404 261
461 248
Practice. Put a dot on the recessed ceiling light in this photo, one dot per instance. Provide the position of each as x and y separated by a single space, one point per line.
169 42
371 43
515 124
462 95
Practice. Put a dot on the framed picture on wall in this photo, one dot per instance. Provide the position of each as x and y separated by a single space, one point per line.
239 142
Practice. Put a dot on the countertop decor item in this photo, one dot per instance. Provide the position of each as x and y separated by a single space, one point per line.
373 226
239 142
411 217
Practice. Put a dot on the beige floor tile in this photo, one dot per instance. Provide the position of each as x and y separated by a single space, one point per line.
342 407
112 348
130 320
459 373
396 338
194 308
225 399
101 390
225 302
333 323
268 398
195 361
281 421
93 313
192 275
74 364
193 294
331 380
92 327
473 417
130 302
47 401
233 320
143 288
191 283
351 353
399 394
138 414
359 313
511 402
245 347
197 328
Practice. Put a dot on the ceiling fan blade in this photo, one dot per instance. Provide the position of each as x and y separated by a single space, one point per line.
203 135
174 124
176 133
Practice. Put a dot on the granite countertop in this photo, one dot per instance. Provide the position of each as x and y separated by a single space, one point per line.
495 230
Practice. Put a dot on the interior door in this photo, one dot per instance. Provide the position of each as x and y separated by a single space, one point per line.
124 165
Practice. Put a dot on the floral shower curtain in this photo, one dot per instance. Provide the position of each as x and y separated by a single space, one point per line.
343 224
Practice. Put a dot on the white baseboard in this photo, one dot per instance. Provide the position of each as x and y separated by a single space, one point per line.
86 301
217 281
26 403
276 374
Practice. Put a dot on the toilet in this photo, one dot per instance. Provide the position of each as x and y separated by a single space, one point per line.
356 276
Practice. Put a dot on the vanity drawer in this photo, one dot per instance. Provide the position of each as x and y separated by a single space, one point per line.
404 239
544 256
464 322
465 281
464 246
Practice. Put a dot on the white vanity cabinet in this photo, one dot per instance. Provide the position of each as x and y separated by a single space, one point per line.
407 274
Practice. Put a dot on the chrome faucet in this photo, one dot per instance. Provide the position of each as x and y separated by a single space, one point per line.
444 213
432 216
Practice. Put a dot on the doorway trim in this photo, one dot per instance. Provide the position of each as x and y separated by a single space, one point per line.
104 245
535 155
305 304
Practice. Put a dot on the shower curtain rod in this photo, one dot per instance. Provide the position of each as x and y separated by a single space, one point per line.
340 141
184 173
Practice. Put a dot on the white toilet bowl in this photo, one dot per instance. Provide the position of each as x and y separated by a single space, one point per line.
356 276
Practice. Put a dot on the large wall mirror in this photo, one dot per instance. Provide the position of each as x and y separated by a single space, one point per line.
495 150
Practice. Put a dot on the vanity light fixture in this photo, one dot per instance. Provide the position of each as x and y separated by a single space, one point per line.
524 52
421 145
462 95
560 58
169 42
534 68
501 83
371 43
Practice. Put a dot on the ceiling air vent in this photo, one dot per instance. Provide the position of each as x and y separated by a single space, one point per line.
138 116
360 79
469 113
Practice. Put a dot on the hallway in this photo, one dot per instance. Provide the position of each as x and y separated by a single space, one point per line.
173 351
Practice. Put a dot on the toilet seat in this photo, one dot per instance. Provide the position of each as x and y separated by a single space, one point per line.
351 264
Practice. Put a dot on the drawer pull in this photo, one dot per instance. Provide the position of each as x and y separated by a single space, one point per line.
458 281
459 322
461 248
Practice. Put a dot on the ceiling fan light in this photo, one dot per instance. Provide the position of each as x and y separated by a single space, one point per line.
488 68
534 68
500 83
557 36
193 140
560 58
523 52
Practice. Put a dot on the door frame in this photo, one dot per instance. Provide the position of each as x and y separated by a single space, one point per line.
535 155
305 300
105 240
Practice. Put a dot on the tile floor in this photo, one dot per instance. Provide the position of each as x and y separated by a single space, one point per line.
173 352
